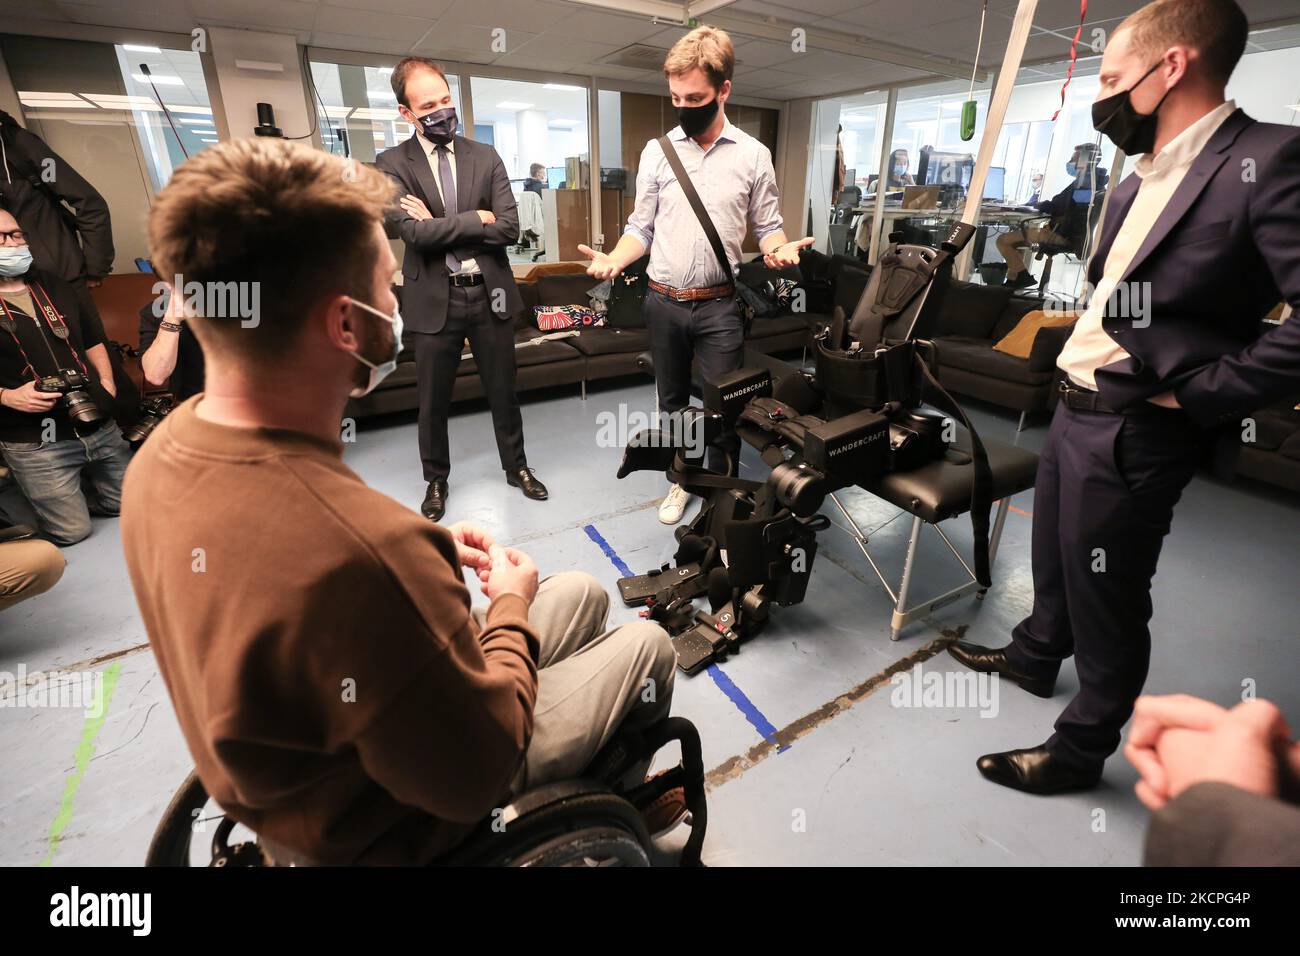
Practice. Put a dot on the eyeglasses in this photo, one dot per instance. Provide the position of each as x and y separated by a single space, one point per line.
18 237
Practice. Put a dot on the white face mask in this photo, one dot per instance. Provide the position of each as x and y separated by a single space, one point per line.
15 261
381 371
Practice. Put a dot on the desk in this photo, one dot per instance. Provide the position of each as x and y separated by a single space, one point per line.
989 215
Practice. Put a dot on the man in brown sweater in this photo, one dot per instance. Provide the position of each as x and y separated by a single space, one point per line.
337 691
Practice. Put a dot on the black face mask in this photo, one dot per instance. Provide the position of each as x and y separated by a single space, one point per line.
696 119
439 126
1131 131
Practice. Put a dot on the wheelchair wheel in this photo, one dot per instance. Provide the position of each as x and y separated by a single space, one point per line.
595 846
593 828
192 811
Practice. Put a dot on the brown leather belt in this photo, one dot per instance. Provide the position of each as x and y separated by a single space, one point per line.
694 295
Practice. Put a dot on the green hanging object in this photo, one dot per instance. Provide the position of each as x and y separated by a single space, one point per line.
970 109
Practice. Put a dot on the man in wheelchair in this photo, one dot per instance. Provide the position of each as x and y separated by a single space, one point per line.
339 695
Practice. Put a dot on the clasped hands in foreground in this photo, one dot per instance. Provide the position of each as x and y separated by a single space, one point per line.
1178 741
500 570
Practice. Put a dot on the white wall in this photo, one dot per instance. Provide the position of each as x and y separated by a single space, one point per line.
242 89
609 105
1265 84
825 120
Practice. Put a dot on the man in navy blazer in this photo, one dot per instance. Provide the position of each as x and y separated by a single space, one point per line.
456 214
1196 247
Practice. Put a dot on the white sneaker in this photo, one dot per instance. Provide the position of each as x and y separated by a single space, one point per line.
674 506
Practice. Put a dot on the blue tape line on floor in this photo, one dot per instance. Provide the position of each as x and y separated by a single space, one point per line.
744 704
725 683
610 553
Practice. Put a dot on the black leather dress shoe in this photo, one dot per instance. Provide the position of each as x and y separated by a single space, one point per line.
989 660
435 500
1036 771
527 482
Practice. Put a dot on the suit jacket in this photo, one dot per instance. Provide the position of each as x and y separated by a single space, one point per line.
1216 824
1225 250
481 183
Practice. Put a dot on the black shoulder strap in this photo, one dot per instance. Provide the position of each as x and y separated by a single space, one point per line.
702 214
981 498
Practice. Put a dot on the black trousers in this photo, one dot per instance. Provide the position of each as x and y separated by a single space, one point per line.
437 356
711 334
1103 502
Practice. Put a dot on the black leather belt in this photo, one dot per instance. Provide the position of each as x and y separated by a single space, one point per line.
1084 399
461 279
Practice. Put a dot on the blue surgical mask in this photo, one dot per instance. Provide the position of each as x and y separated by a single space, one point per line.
1072 169
15 261
384 369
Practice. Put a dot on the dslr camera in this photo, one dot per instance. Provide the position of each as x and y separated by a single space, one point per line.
72 385
152 412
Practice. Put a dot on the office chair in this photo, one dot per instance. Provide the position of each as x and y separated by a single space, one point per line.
1080 226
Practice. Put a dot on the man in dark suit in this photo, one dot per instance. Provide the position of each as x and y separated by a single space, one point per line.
1197 246
456 216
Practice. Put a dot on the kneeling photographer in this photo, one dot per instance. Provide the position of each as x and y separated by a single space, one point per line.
56 392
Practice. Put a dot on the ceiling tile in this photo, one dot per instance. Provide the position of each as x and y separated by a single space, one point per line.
371 23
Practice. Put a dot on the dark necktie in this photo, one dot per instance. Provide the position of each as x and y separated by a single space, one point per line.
448 199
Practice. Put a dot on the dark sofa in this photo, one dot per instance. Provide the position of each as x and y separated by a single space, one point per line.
593 354
972 318
1274 454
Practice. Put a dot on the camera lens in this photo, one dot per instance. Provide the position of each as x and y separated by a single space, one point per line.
82 408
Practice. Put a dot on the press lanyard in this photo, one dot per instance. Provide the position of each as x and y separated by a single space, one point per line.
51 315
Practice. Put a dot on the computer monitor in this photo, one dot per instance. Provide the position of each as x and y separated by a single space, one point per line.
945 169
555 176
995 187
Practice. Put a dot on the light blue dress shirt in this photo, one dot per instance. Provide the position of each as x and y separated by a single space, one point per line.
737 183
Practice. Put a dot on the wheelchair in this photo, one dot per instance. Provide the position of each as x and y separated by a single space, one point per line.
587 821
859 419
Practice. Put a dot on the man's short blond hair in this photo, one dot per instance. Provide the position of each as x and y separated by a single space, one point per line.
707 48
298 221
1216 29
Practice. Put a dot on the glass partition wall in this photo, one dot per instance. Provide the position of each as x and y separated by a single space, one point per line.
541 132
1033 159
95 107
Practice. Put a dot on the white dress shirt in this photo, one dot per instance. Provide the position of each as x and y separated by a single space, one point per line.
1090 347
467 266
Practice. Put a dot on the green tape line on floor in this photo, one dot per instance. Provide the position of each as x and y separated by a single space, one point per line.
85 750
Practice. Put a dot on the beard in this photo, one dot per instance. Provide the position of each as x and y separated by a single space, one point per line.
376 346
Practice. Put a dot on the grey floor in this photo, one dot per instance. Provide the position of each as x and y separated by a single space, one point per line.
813 758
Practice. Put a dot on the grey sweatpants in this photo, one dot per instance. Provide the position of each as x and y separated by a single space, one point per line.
591 681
